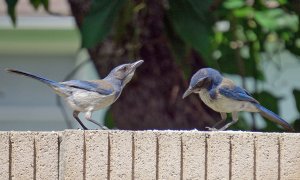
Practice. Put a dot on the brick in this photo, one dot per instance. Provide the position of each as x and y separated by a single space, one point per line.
120 155
218 154
193 151
96 157
46 144
267 157
72 155
4 155
290 156
169 155
242 156
145 155
22 155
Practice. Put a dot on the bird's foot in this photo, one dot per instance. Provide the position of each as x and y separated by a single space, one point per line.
211 128
83 129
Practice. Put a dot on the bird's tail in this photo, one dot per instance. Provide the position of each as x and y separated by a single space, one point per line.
273 117
39 78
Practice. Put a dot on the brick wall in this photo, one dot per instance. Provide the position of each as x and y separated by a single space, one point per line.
76 154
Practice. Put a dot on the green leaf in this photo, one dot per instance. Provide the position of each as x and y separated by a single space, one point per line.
35 3
99 20
296 93
45 4
244 12
229 63
297 125
268 100
276 19
108 120
234 4
190 19
11 6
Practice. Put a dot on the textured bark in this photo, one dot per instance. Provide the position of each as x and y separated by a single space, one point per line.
153 98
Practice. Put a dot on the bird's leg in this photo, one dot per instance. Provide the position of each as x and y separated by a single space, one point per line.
75 115
223 119
235 118
88 116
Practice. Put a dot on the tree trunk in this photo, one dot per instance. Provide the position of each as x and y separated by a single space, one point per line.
153 98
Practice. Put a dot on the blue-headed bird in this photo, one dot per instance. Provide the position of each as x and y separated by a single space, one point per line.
223 96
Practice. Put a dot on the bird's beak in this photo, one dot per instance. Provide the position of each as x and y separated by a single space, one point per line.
187 92
136 64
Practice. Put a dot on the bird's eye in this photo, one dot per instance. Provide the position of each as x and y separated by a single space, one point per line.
124 68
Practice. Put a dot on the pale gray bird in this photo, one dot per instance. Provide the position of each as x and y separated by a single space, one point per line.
90 96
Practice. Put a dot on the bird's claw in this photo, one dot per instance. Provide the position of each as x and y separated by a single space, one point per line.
211 128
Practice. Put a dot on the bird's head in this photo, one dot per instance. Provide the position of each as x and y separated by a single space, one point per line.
125 72
203 78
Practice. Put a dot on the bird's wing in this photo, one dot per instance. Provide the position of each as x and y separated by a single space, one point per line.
229 90
101 87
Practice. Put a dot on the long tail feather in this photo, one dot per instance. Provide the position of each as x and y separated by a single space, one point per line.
39 78
273 117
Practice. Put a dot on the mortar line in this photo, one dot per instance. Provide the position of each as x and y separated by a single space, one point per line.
84 155
254 158
206 157
34 157
157 156
9 157
181 158
58 156
108 156
279 158
230 157
133 155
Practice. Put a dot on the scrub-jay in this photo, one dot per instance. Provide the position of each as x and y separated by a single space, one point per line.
89 96
222 95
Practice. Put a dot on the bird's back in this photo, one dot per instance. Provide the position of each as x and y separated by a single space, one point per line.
217 101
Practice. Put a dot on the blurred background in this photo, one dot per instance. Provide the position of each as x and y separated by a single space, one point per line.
255 43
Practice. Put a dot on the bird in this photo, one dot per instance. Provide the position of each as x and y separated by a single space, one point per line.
91 95
223 96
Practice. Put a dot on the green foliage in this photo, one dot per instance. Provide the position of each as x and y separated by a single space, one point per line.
276 19
190 21
108 120
234 4
296 93
35 3
297 125
99 20
270 102
11 6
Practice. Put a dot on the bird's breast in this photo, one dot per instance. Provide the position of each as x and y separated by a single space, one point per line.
221 103
83 101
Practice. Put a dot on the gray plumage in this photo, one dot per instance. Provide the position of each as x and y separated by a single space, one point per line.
90 96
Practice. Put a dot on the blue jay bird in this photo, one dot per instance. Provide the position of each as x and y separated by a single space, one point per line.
89 96
223 96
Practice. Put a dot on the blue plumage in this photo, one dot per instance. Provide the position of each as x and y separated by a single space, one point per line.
222 95
100 87
236 93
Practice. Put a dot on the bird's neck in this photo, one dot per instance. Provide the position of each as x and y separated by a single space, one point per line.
213 83
117 84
